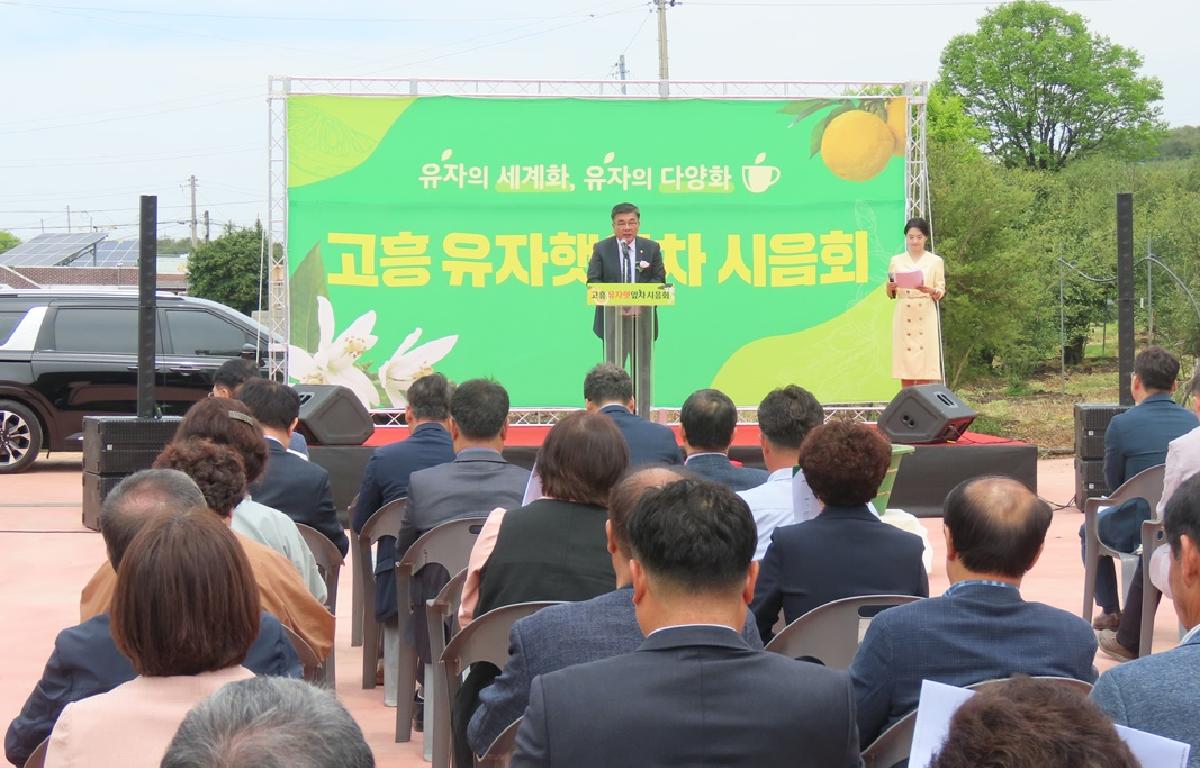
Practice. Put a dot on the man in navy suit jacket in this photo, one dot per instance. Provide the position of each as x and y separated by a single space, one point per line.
980 629
845 551
694 692
608 389
709 419
290 483
386 476
1157 693
1136 440
625 258
572 633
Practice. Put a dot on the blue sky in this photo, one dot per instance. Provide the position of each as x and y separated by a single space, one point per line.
105 101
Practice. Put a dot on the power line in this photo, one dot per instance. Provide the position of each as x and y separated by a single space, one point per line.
298 19
124 159
130 208
864 3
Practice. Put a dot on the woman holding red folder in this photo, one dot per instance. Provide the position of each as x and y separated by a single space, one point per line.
917 280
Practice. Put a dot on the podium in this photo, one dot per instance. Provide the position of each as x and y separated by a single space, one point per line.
629 324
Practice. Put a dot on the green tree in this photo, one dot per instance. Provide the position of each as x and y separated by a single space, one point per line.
1048 90
8 240
1180 143
227 269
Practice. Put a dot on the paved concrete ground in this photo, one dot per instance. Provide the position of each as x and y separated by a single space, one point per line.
48 556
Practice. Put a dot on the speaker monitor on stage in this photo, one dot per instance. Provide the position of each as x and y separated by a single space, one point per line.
333 415
929 413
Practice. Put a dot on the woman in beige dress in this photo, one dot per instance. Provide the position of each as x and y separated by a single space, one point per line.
916 337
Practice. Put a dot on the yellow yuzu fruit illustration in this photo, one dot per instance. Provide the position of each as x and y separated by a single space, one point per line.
897 118
856 145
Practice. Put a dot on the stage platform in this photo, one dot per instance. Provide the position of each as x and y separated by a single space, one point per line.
926 475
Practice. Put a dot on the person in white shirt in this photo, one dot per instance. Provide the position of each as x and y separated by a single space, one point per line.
785 417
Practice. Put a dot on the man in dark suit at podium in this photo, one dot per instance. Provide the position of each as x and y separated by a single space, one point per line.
625 258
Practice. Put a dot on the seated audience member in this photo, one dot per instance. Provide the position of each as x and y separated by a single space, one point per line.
1183 461
694 692
386 476
608 389
85 660
1158 693
551 549
266 723
1135 441
217 471
709 419
980 629
1031 723
228 422
572 633
476 482
185 613
785 417
846 551
228 381
291 483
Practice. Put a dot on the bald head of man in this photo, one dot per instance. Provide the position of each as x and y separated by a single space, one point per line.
995 528
140 498
621 503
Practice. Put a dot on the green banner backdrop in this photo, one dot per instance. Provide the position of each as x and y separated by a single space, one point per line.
454 234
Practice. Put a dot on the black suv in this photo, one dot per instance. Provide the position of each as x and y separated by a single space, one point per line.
69 354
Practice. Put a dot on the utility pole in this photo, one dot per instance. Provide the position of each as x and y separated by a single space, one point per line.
621 72
663 89
206 225
192 183
68 219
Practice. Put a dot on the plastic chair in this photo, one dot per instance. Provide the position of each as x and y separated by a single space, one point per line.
313 668
1148 485
37 758
899 451
385 522
448 545
438 611
1152 538
832 632
484 639
329 564
501 751
356 586
895 744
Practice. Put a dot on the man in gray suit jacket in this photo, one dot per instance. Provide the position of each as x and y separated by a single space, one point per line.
709 419
476 482
573 633
1157 693
694 692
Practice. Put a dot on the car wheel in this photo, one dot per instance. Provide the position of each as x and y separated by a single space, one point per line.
20 437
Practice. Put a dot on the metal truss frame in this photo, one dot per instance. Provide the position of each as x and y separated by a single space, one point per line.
279 89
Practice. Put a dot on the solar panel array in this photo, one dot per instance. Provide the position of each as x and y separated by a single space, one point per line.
50 250
122 253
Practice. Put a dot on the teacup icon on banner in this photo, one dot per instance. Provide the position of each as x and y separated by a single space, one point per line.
758 177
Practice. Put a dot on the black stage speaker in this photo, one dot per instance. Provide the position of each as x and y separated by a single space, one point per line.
1089 480
115 447
124 444
1091 422
332 415
930 413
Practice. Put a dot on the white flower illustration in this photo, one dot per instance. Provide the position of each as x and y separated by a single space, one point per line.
333 362
409 364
